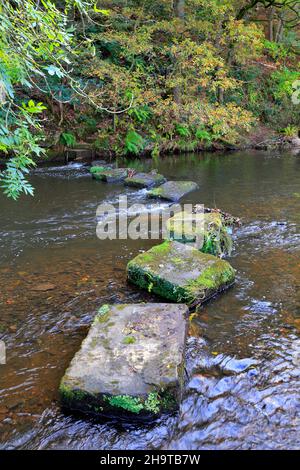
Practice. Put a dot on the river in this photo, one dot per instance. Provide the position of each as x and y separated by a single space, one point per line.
243 355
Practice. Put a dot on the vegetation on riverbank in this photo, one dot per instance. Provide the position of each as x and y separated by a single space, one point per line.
143 76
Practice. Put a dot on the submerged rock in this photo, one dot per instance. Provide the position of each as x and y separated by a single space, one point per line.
180 273
130 362
173 190
145 180
109 175
186 227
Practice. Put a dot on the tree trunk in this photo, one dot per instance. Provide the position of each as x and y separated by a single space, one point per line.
179 10
271 25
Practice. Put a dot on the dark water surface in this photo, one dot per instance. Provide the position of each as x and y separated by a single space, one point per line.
243 358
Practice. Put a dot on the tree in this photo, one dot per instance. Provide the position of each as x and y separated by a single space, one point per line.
36 44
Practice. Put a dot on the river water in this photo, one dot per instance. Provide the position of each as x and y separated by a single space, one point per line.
243 355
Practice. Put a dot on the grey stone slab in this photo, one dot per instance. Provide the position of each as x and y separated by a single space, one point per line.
130 362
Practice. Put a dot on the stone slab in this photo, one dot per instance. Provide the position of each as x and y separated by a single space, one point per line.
173 190
130 362
109 175
145 180
180 273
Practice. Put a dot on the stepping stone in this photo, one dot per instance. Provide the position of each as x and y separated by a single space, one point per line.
145 180
102 164
185 227
180 273
109 175
131 361
173 190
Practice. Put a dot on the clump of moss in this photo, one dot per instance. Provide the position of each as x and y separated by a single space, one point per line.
103 313
212 279
69 395
129 340
97 169
152 403
132 404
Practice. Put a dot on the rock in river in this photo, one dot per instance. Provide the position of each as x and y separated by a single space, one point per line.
180 273
173 190
209 228
109 175
145 180
131 362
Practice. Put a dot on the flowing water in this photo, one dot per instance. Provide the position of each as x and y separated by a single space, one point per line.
243 354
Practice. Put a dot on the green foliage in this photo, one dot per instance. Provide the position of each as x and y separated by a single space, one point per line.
182 130
129 340
283 82
290 131
203 135
35 47
141 76
68 139
277 51
152 403
134 142
141 114
132 404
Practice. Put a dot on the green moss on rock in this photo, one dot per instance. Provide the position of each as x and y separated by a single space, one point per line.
173 190
145 180
130 362
108 175
187 227
180 273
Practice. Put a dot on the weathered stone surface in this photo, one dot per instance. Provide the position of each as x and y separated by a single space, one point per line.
180 273
109 175
145 180
130 362
185 227
173 190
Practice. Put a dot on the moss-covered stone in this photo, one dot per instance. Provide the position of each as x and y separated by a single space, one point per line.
180 273
145 180
186 227
130 363
108 175
173 190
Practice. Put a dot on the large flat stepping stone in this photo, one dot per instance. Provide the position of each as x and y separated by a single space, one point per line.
145 180
109 175
131 361
180 273
186 227
173 190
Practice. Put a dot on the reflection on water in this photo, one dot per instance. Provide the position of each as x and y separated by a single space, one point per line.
243 357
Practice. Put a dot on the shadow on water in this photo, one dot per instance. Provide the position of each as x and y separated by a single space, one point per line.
243 355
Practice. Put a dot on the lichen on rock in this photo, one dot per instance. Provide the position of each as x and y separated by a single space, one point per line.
130 362
180 273
109 175
173 190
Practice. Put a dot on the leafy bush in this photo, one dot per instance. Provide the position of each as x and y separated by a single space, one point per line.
68 139
134 142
